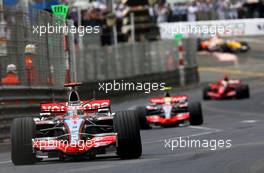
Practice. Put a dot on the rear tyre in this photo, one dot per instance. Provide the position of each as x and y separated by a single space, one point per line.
128 135
205 93
245 46
22 133
142 113
239 92
246 92
196 115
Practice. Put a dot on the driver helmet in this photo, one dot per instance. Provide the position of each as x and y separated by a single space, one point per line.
226 78
11 68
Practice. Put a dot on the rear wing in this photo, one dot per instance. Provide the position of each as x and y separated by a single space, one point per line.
54 107
161 100
61 107
96 104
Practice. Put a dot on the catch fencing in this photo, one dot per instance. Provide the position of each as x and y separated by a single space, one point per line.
40 60
130 60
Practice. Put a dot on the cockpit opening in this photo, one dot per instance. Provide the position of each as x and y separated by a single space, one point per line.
74 97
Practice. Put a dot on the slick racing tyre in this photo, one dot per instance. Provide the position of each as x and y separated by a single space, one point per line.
196 115
245 47
239 92
142 113
205 93
22 132
242 92
128 135
245 91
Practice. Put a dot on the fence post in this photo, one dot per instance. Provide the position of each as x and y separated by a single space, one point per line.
181 63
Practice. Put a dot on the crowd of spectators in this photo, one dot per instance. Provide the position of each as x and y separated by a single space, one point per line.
162 11
97 12
207 10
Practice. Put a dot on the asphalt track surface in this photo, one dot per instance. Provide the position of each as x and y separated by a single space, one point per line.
241 121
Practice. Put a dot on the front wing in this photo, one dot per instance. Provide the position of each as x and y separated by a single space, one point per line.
215 95
160 120
72 148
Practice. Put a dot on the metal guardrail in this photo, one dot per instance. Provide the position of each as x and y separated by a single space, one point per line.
23 101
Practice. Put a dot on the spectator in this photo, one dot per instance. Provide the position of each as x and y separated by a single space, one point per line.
92 17
241 11
152 13
233 11
162 11
221 8
119 9
176 12
11 77
209 10
183 12
169 19
192 9
201 8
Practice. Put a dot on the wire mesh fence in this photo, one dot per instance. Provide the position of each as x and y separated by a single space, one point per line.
127 60
44 56
39 59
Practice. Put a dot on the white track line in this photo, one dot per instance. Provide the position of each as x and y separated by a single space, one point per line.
204 128
132 108
4 162
249 121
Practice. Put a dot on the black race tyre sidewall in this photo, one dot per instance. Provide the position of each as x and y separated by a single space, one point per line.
196 115
128 135
246 91
22 132
239 92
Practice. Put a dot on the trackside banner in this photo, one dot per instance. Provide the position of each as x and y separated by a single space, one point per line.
224 28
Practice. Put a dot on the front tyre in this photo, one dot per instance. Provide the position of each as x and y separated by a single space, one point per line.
128 135
196 115
244 47
22 133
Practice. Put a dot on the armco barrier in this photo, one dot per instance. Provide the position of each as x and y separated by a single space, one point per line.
23 101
